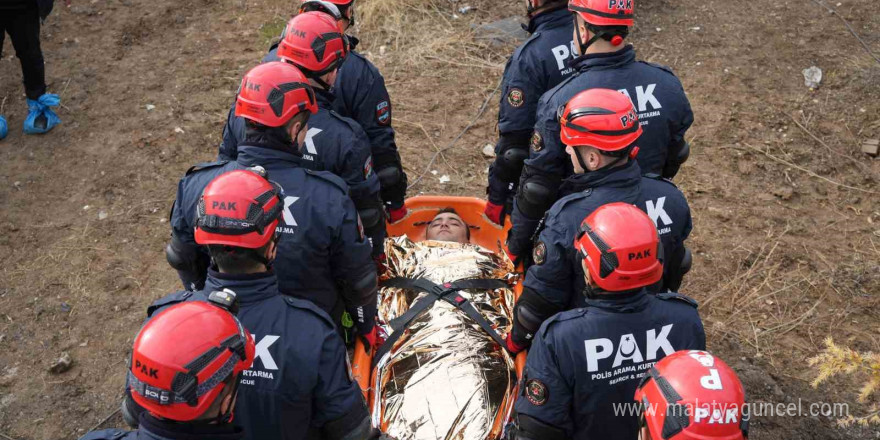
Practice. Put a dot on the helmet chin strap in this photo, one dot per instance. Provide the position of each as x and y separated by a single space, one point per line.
580 159
591 292
321 82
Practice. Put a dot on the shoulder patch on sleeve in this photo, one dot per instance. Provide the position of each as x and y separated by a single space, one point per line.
174 298
329 177
659 66
536 392
205 166
516 97
668 296
383 112
309 306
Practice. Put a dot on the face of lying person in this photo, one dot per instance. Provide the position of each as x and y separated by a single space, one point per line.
447 226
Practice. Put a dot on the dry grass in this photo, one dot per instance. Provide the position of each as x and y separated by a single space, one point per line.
420 32
864 367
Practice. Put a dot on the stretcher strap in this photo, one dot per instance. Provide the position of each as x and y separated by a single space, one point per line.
447 292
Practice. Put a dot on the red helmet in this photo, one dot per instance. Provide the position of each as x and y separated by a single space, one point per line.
240 208
273 93
604 12
619 245
324 6
182 357
604 119
693 395
313 42
345 8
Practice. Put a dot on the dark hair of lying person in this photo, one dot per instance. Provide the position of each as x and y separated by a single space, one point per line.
451 210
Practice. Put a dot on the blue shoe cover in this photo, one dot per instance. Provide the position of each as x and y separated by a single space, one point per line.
3 128
41 107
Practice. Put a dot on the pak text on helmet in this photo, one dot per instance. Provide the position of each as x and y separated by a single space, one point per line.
692 395
619 248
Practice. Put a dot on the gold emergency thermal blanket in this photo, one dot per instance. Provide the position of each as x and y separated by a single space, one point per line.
445 378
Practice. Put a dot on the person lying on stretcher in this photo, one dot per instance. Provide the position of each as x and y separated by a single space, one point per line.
445 304
447 225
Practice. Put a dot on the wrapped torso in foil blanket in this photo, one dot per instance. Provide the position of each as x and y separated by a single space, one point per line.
445 378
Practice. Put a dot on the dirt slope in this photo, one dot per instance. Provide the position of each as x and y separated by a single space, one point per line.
783 258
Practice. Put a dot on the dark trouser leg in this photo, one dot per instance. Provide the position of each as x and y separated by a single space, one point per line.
24 31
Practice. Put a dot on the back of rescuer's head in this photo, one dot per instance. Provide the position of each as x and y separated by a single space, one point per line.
238 214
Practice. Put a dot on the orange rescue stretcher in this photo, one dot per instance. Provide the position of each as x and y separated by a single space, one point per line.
484 233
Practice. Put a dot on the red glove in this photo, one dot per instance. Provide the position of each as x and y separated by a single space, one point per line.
495 213
375 338
512 257
513 347
395 215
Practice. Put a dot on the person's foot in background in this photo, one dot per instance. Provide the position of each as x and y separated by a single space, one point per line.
41 119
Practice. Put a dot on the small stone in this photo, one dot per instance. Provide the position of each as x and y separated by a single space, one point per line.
63 364
9 374
812 77
720 213
179 130
784 193
65 307
17 184
489 151
150 107
444 179
102 215
871 147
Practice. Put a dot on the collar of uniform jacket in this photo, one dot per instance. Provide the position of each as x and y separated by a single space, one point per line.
618 177
154 429
554 17
325 97
352 42
248 287
620 302
251 155
611 60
